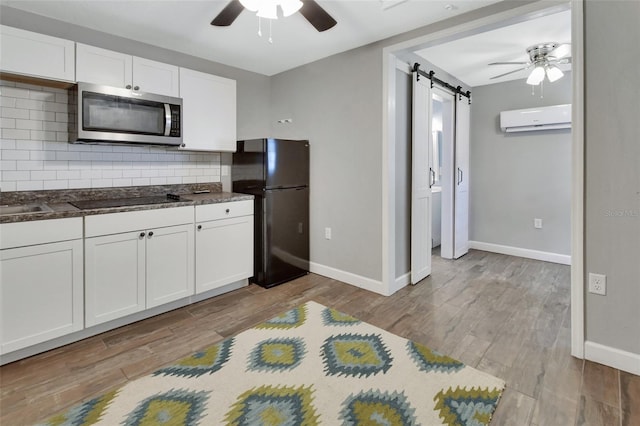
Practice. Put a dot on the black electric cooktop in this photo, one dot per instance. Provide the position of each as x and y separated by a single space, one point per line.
125 202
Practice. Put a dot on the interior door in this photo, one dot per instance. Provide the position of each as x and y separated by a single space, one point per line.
422 178
461 219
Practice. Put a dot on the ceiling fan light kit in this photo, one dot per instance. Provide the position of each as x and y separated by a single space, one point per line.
269 8
544 58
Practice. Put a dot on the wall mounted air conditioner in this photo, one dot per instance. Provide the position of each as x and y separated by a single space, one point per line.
543 118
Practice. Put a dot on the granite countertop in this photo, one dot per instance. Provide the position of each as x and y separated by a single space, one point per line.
59 201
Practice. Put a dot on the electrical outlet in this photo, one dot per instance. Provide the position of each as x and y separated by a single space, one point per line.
327 233
597 284
537 223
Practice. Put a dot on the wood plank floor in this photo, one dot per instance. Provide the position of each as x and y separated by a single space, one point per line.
504 315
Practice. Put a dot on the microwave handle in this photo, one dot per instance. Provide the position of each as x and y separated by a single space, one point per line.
167 119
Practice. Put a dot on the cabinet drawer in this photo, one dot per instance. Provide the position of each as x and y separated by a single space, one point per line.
114 223
224 210
21 234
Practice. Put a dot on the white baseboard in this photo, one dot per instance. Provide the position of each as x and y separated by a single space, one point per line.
349 278
616 358
401 281
563 259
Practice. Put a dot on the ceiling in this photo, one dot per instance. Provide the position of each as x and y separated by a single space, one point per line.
467 58
184 26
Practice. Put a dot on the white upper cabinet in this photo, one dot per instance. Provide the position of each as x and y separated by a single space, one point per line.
109 68
37 55
209 111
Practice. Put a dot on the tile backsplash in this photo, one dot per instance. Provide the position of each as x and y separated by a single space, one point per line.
35 153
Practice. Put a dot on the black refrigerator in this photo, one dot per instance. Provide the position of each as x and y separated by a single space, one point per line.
276 172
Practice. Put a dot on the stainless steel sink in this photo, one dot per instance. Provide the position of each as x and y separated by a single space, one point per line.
25 209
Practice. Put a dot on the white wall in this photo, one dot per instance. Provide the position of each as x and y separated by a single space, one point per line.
516 177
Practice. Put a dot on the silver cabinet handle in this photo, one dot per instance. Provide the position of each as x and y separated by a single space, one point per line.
432 179
459 175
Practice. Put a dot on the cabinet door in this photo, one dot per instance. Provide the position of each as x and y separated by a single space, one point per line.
224 252
101 66
114 276
169 264
27 53
209 111
41 293
155 77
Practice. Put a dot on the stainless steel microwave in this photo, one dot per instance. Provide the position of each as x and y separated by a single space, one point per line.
103 114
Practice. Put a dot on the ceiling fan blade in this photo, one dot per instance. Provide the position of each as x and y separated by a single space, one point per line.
510 72
508 63
562 61
316 15
562 51
229 14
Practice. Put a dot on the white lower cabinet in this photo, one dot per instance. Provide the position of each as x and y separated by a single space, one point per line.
41 290
128 272
224 244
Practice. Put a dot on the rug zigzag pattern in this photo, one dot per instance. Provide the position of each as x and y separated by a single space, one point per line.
302 367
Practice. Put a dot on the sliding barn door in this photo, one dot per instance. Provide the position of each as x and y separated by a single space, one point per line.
461 187
422 178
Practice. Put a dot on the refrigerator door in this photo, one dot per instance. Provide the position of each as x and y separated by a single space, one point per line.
248 172
286 163
286 235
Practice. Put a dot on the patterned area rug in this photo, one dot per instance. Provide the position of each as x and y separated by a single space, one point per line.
311 365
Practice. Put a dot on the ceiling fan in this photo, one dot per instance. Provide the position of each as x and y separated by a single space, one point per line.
544 58
310 9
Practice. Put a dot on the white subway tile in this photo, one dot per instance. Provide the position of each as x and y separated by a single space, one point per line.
81 183
42 115
15 155
51 106
42 96
29 124
181 172
7 165
174 180
149 157
14 113
29 165
90 156
43 175
62 98
158 181
69 174
16 134
10 175
31 86
125 165
7 123
122 182
42 155
131 173
7 102
7 83
54 126
149 173
30 104
90 174
102 183
111 174
62 136
30 145
102 148
189 179
61 117
7 144
201 179
40 135
8 186
80 147
123 148
112 156
80 165
196 172
102 165
140 181
166 172
56 165
67 155
55 146
15 92
56 184
31 185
